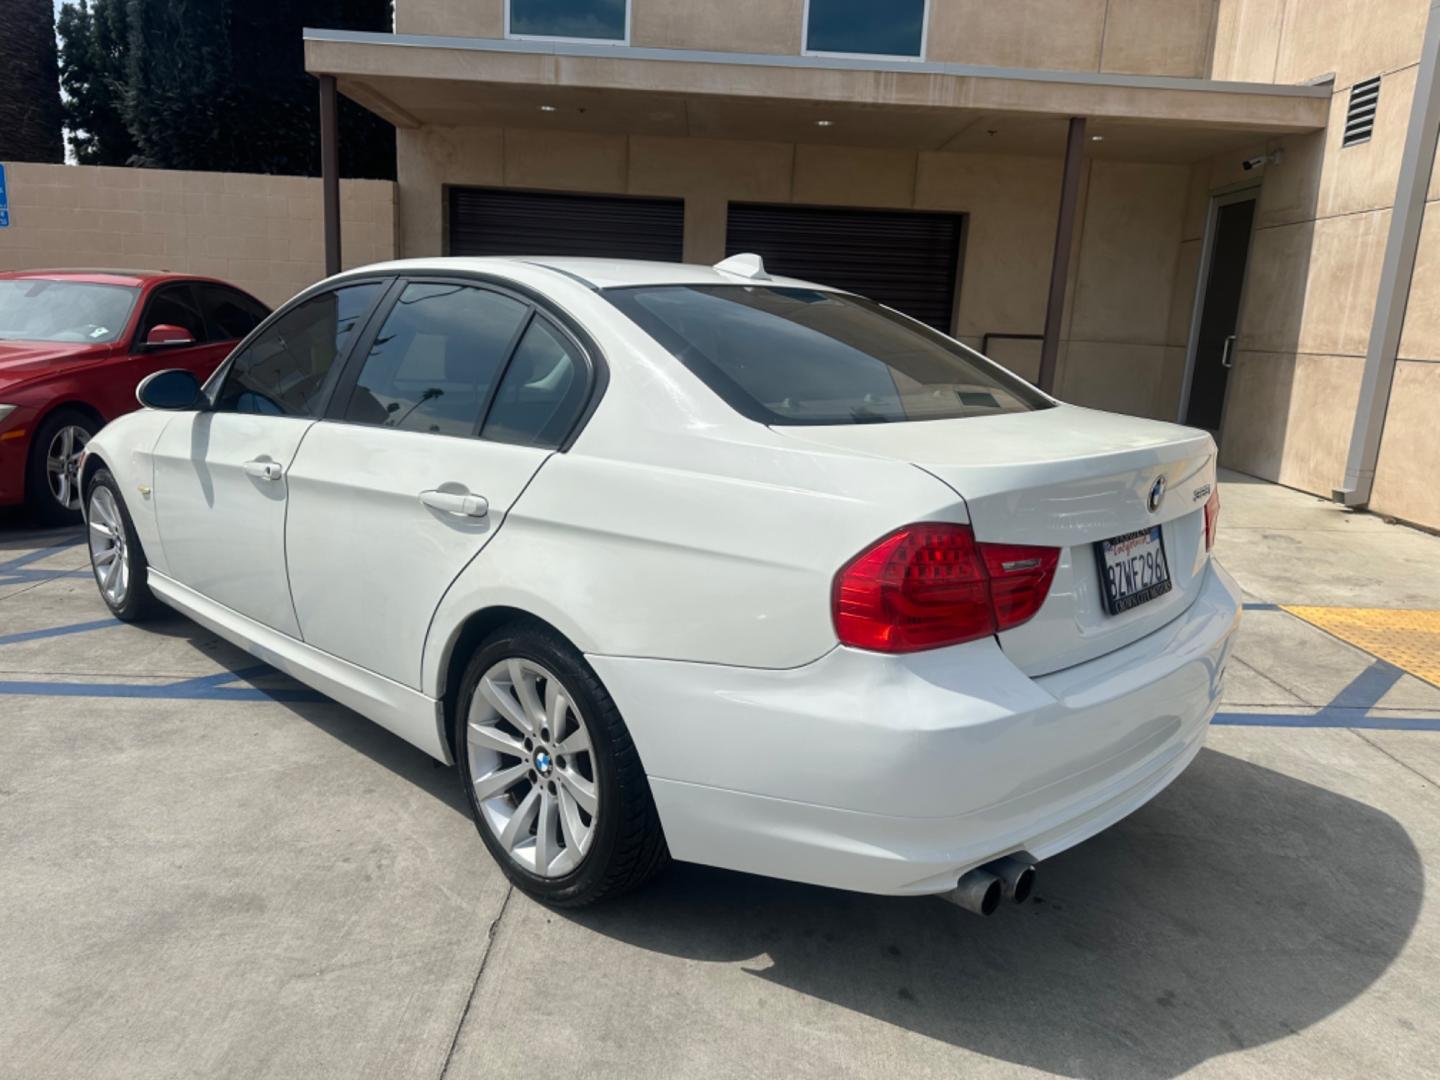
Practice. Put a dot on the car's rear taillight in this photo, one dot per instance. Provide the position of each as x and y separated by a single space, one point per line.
932 584
1212 517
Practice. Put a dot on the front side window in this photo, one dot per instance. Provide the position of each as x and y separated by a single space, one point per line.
43 309
172 305
801 356
585 20
436 358
866 28
287 370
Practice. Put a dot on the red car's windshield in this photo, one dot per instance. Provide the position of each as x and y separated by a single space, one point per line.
43 309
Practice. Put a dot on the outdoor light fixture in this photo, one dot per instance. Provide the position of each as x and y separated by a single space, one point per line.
547 108
1097 138
824 123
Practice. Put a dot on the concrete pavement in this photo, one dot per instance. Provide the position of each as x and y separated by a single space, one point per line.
206 870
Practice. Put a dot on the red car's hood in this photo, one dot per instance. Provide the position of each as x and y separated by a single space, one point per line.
23 361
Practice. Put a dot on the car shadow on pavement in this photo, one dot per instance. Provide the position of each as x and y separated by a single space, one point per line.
1239 907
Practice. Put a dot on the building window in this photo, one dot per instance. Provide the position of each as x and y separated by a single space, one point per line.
866 28
569 20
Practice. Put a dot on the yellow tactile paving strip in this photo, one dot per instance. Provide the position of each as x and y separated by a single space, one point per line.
1408 639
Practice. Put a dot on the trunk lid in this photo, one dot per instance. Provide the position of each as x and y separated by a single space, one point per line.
1064 477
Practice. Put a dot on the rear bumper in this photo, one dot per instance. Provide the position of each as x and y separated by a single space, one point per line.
897 774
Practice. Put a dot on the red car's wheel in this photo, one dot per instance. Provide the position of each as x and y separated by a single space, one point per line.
52 484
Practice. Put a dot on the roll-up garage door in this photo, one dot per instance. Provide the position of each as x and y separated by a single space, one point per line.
487 221
908 260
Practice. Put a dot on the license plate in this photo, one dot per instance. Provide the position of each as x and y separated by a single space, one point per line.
1133 569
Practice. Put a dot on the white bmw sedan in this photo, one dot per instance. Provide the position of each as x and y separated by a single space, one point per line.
690 562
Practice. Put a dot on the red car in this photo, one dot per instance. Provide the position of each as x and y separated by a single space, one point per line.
73 346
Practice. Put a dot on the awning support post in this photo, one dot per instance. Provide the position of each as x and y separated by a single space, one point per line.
330 172
1064 238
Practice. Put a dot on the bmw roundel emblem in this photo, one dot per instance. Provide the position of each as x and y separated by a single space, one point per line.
1157 493
542 763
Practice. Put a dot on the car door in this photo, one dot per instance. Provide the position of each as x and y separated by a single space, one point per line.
446 411
220 487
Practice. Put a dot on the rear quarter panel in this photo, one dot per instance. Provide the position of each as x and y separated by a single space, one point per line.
724 555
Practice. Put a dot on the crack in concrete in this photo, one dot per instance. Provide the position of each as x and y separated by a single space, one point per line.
475 986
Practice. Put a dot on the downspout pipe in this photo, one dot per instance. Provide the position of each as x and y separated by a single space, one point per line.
1396 273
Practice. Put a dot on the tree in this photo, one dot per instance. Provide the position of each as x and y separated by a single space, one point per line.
94 59
29 83
214 84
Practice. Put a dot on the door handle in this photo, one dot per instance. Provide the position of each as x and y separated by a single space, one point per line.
264 470
1226 359
450 502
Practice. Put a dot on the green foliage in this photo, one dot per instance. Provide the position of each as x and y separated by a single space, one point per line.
212 84
94 47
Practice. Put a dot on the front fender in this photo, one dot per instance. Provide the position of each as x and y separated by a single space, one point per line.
126 447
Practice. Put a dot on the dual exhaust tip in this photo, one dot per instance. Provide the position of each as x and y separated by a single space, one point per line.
980 890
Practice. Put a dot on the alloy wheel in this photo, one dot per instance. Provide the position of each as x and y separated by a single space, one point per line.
62 465
533 767
109 553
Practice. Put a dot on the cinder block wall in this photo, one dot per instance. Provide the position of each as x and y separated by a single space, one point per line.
262 233
1321 228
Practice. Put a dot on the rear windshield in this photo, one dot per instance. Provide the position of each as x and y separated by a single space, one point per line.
799 356
43 309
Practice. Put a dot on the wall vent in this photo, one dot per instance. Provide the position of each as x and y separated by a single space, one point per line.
1360 117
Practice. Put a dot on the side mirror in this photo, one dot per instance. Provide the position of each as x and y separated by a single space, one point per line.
166 335
176 389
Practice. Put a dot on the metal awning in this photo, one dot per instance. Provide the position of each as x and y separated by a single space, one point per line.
613 89
413 80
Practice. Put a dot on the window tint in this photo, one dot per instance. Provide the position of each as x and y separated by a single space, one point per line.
230 314
173 305
800 356
603 20
287 370
436 358
894 28
542 392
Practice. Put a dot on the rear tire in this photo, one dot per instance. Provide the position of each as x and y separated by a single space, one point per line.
116 557
551 775
52 475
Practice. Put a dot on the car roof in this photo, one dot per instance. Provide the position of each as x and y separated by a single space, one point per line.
101 277
595 273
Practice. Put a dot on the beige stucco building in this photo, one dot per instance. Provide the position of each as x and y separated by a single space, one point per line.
1242 247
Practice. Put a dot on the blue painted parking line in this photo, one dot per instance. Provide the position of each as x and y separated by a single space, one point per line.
182 691
56 631
1327 719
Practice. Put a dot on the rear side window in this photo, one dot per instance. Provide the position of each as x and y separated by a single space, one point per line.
289 367
436 358
801 356
230 314
542 393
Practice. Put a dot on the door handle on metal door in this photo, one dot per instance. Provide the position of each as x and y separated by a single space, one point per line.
1227 360
450 502
264 470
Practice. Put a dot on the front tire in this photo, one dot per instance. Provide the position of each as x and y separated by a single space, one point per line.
52 480
116 557
552 777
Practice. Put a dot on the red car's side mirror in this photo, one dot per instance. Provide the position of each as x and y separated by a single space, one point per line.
164 334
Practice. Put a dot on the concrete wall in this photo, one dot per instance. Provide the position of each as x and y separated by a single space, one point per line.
1121 348
1310 294
262 233
1158 37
